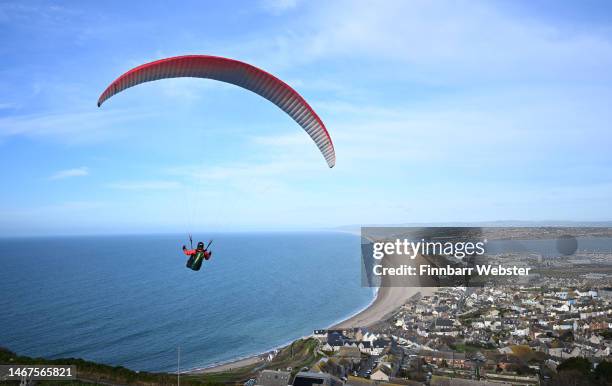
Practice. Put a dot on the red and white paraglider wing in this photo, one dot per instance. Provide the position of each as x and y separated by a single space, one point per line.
240 74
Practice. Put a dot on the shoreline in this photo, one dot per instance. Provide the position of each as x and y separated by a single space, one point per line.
252 359
228 366
392 293
386 301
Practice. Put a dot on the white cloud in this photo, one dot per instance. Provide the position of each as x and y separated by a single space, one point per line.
73 127
145 185
57 209
7 106
279 6
69 173
437 43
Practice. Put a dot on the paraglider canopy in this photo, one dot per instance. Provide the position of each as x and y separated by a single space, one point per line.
240 74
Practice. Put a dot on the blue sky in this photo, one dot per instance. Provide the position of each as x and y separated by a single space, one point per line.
439 111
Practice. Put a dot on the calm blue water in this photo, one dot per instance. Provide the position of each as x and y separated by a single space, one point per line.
129 300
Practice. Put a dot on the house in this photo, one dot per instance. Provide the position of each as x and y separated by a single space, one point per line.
335 340
557 327
379 346
352 354
508 362
320 335
453 359
381 373
442 324
564 353
370 337
478 324
307 378
601 352
595 339
521 332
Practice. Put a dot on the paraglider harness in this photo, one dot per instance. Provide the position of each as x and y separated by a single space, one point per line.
198 255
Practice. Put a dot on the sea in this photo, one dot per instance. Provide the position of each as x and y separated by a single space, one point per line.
130 301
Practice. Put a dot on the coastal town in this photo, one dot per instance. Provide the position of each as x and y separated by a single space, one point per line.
551 327
515 335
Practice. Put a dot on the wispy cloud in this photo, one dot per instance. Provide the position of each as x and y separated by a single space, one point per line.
74 127
438 43
243 171
58 208
278 6
69 173
6 106
145 185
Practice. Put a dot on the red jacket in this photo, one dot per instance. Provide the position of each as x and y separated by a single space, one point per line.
190 252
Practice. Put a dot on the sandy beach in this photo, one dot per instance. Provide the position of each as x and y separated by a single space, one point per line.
392 294
387 300
250 361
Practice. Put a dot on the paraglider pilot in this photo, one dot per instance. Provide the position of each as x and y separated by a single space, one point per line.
197 256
